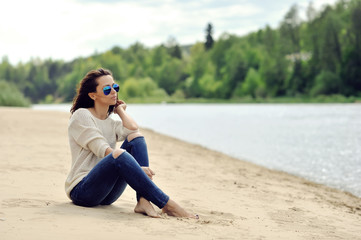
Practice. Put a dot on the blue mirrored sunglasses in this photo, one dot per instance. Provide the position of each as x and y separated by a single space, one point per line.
108 89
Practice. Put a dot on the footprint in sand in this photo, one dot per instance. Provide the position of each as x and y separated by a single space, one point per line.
223 214
24 202
217 217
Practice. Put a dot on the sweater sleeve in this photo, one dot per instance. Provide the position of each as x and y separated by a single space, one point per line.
86 134
121 131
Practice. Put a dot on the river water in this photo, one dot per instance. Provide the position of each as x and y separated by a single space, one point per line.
320 142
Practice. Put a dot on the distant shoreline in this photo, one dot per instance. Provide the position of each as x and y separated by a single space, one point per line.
173 100
283 100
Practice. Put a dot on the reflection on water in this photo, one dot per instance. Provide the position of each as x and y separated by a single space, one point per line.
321 142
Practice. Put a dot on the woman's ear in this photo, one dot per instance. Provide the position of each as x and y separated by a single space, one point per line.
92 96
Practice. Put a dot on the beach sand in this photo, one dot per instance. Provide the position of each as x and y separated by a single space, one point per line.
235 199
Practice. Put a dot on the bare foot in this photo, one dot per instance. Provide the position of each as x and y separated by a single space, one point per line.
173 209
146 208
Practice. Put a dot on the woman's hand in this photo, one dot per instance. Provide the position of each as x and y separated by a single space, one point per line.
128 122
120 105
149 172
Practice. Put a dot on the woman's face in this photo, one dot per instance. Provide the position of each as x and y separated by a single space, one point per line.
100 97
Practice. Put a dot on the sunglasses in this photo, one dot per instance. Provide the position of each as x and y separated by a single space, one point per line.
108 89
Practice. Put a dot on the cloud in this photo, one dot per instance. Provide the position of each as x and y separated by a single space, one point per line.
70 28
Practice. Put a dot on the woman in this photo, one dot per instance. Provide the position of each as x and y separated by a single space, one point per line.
99 172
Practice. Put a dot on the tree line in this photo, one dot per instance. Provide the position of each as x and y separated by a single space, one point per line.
314 57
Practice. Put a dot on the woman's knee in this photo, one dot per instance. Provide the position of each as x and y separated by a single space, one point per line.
134 135
117 152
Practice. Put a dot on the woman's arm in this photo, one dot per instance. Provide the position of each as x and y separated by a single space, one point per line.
127 120
86 134
146 170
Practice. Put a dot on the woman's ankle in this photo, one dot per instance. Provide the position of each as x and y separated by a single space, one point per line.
170 206
145 207
173 209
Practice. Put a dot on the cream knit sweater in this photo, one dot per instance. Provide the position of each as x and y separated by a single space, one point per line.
89 137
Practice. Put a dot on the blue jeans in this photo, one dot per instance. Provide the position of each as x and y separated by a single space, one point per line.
108 179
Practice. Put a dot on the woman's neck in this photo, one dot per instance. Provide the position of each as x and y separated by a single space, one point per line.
100 111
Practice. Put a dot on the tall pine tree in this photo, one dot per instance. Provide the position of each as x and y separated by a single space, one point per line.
209 39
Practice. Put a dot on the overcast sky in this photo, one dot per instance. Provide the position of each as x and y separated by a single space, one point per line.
66 29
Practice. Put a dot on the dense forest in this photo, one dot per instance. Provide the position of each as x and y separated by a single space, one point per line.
316 57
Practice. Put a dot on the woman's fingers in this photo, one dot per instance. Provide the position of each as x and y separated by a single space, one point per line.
122 104
149 172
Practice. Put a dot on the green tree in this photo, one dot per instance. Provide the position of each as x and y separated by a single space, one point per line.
252 86
217 54
351 71
289 30
274 72
326 83
10 95
140 88
159 55
210 87
209 39
291 44
113 62
270 41
68 84
330 55
196 68
136 56
173 48
6 69
171 75
37 81
234 69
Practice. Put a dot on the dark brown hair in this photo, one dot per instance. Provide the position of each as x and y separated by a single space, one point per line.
88 85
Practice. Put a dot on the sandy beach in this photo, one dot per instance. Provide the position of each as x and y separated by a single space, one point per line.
234 199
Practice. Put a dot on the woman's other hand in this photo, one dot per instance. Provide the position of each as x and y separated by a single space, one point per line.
149 172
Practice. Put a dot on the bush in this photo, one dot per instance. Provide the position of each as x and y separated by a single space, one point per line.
252 86
130 88
10 95
49 99
141 88
178 94
326 83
